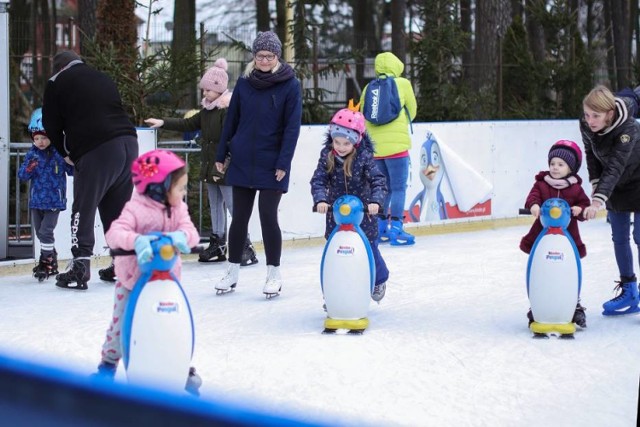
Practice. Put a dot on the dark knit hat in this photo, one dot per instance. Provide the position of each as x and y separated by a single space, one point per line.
62 59
216 77
269 41
565 154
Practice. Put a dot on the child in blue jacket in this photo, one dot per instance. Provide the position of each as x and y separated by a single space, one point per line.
346 166
47 171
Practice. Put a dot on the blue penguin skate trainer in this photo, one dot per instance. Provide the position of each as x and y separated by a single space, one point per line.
627 300
347 271
157 332
554 272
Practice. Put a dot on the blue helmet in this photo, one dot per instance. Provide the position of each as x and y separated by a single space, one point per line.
35 125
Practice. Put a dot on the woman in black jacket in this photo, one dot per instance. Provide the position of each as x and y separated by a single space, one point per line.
610 136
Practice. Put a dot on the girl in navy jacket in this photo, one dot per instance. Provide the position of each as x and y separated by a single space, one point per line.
346 166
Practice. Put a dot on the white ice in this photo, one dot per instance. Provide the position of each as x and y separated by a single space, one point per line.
449 344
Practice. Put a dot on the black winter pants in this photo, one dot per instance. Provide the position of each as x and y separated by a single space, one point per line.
102 182
268 202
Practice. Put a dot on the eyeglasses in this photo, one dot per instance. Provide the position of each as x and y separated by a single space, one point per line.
265 57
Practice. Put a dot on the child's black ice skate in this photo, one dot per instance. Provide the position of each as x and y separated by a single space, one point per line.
216 251
47 266
76 277
579 316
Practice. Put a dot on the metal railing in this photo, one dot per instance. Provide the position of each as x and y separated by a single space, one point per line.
20 232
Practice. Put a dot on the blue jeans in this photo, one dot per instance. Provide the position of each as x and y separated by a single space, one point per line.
397 172
382 272
620 234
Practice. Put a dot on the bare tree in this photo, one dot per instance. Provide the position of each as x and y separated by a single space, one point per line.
282 9
398 29
535 31
486 46
263 18
184 41
620 25
465 25
87 20
365 42
116 29
611 60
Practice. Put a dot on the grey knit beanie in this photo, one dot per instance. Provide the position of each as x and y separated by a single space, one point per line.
62 59
267 40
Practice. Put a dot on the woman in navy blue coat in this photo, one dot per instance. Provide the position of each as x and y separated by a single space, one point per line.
260 134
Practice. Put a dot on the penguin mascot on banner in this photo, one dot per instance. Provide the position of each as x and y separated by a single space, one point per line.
451 187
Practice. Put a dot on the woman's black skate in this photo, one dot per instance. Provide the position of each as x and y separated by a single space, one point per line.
108 274
216 251
76 277
248 254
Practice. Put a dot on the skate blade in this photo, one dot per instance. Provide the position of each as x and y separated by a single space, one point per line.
271 295
212 260
541 336
65 286
340 331
402 242
225 291
629 311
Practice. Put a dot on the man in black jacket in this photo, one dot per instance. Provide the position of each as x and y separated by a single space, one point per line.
83 115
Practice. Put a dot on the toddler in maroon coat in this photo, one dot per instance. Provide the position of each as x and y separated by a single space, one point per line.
562 181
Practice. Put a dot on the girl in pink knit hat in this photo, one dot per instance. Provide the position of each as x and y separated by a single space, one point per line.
209 121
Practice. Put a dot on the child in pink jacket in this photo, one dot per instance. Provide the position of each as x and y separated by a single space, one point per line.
160 178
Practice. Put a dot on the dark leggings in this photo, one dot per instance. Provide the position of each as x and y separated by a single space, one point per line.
268 202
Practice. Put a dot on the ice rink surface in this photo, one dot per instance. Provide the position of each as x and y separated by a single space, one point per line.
448 345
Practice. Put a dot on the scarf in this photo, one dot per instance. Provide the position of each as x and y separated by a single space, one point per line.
561 183
217 103
261 80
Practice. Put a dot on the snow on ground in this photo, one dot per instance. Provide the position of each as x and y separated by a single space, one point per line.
449 344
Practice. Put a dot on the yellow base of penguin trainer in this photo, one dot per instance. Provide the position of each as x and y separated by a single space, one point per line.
546 328
356 324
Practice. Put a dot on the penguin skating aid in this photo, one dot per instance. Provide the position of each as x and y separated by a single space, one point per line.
347 270
554 273
157 333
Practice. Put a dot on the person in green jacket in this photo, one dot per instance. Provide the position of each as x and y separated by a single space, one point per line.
392 142
209 121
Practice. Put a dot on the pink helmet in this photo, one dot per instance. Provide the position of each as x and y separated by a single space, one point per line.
153 167
349 123
565 144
